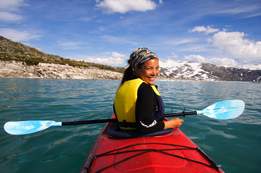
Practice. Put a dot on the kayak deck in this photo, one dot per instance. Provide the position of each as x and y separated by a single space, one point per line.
167 153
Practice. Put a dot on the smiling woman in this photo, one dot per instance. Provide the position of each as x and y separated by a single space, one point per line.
138 105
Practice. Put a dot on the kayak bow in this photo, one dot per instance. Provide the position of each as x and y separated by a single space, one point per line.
173 152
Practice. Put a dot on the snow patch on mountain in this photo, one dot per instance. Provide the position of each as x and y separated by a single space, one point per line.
184 70
208 72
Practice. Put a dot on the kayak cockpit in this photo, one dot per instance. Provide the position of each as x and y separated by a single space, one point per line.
115 132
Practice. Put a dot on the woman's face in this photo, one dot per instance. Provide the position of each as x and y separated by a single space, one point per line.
148 71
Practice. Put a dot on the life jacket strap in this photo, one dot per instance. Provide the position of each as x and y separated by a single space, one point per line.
126 124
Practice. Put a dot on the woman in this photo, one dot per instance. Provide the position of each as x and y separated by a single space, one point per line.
137 103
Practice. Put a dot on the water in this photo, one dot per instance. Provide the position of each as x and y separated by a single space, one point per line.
233 144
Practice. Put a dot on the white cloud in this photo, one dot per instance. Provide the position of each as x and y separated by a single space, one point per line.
217 61
112 61
123 6
70 45
17 35
177 42
9 17
196 58
118 40
223 61
253 15
174 55
9 10
206 31
116 55
86 19
233 44
11 5
107 58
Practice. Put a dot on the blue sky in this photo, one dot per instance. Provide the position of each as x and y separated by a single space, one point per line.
222 32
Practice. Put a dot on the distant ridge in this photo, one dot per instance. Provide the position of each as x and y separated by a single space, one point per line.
209 72
182 70
10 50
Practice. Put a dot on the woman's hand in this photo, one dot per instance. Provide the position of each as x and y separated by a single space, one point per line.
173 123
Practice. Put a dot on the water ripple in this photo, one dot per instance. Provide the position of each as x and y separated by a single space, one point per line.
61 149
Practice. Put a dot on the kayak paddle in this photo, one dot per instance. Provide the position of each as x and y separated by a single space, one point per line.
228 109
222 110
32 126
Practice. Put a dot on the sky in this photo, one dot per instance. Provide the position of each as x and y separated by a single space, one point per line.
221 32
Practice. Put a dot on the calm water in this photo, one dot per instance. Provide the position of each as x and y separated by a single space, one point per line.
233 144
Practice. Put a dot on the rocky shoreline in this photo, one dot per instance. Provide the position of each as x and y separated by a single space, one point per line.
13 69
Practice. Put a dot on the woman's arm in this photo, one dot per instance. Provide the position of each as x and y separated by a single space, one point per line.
146 103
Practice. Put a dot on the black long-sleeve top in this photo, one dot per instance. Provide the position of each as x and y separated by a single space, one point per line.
146 105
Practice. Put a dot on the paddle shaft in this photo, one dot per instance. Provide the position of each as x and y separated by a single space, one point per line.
115 120
181 114
88 122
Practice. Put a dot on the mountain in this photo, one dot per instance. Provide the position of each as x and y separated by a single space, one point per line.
15 51
210 72
10 50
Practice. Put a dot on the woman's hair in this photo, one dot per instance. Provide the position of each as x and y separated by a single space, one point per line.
129 73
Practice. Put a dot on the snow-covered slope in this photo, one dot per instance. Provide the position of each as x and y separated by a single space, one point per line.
184 70
209 72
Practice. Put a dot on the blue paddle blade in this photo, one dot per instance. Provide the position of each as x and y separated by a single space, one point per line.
28 127
223 110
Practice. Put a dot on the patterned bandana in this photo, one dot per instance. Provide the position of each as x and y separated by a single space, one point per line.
140 56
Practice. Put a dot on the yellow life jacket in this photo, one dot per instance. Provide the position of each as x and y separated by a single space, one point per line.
125 102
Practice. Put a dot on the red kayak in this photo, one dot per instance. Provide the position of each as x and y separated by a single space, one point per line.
172 152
